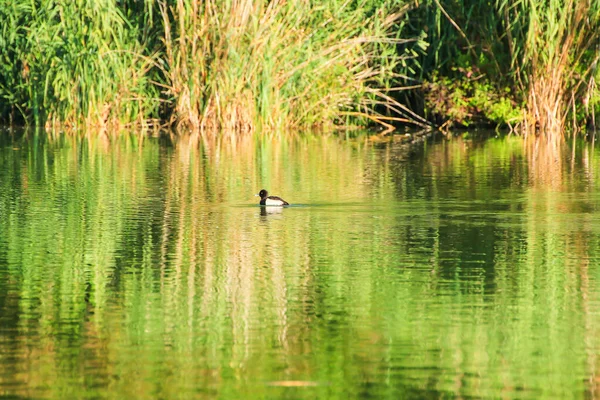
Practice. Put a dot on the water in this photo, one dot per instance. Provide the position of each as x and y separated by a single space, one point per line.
142 268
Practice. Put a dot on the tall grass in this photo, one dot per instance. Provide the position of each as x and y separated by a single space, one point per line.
542 54
281 63
73 63
237 66
556 45
207 65
546 53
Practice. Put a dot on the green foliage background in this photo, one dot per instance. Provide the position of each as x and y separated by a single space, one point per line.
245 65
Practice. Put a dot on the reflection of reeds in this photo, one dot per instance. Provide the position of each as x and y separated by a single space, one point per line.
545 157
144 271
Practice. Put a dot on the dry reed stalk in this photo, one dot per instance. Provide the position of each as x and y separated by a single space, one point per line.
556 78
255 64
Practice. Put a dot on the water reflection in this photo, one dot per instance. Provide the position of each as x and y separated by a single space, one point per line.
142 267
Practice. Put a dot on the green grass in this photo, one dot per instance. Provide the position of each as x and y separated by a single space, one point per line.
557 48
214 66
73 63
281 63
545 53
234 67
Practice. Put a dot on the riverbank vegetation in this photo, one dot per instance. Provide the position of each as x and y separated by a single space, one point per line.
236 66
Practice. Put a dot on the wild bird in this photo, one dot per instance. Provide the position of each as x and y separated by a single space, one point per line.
266 200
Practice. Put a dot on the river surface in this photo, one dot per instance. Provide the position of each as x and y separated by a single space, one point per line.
143 267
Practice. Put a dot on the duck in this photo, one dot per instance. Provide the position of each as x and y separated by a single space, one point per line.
266 200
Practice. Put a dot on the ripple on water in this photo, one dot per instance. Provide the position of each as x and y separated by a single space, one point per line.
122 276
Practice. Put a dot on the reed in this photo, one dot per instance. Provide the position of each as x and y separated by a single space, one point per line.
231 67
226 66
236 66
542 55
73 63
555 46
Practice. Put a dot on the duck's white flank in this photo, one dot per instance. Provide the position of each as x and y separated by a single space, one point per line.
273 202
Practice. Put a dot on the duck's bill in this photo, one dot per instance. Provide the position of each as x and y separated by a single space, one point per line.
256 195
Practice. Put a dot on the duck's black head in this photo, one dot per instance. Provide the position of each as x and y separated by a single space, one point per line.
263 193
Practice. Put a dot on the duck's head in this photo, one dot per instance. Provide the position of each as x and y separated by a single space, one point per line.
262 194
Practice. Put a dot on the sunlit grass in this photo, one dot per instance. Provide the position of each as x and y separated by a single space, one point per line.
242 65
228 67
554 55
74 64
534 63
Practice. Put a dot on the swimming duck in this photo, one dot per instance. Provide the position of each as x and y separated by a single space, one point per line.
266 200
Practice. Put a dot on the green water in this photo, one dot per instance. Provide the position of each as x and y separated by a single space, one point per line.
142 267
